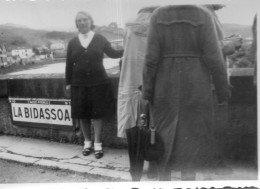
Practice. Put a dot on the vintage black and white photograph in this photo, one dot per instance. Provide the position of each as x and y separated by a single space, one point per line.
95 91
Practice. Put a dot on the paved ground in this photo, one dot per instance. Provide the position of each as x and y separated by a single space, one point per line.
13 172
114 164
64 156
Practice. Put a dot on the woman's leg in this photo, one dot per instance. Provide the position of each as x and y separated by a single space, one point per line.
85 127
86 130
97 125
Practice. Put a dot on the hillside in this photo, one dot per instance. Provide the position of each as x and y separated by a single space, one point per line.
14 35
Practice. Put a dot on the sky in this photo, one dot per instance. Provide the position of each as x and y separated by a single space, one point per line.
60 14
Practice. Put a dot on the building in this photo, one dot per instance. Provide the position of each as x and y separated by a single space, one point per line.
57 46
22 52
58 49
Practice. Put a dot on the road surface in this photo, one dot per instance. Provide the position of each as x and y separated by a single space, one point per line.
13 172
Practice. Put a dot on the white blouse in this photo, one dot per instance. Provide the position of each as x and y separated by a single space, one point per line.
85 39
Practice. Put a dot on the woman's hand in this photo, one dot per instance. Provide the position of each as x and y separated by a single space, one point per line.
68 87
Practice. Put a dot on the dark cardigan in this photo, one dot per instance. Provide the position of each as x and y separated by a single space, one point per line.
84 66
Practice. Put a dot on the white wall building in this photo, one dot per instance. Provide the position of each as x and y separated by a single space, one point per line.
58 46
22 52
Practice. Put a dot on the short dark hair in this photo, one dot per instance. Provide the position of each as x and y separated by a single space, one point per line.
87 15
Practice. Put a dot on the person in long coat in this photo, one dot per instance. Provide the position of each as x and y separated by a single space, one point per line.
182 59
129 94
129 103
91 92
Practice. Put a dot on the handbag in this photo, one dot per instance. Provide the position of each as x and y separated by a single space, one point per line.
154 146
144 143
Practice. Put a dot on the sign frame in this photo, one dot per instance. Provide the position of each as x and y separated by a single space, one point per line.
13 100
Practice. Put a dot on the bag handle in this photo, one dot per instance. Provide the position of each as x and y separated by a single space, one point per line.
152 128
147 119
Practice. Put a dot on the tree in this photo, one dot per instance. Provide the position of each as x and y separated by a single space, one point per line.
18 41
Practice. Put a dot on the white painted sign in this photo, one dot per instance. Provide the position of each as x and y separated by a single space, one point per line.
47 111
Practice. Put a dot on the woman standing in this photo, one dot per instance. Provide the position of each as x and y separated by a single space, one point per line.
91 92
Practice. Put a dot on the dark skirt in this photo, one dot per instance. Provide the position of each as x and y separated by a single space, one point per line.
92 102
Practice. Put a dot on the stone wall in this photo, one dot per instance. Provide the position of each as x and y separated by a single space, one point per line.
236 131
53 88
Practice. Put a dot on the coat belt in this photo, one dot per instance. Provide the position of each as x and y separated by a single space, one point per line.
174 55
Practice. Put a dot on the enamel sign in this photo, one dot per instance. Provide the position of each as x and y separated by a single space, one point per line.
43 111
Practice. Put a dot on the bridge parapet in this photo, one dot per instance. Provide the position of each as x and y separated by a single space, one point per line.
38 106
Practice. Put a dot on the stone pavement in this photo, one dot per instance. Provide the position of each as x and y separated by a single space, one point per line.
64 156
114 164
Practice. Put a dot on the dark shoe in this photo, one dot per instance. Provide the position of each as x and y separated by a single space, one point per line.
86 151
99 154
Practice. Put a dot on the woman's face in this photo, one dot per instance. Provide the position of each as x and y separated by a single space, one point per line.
83 23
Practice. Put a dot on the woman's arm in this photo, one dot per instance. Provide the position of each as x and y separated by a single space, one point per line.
69 67
111 52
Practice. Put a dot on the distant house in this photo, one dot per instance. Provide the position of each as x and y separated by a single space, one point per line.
22 52
12 59
43 50
58 49
58 46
